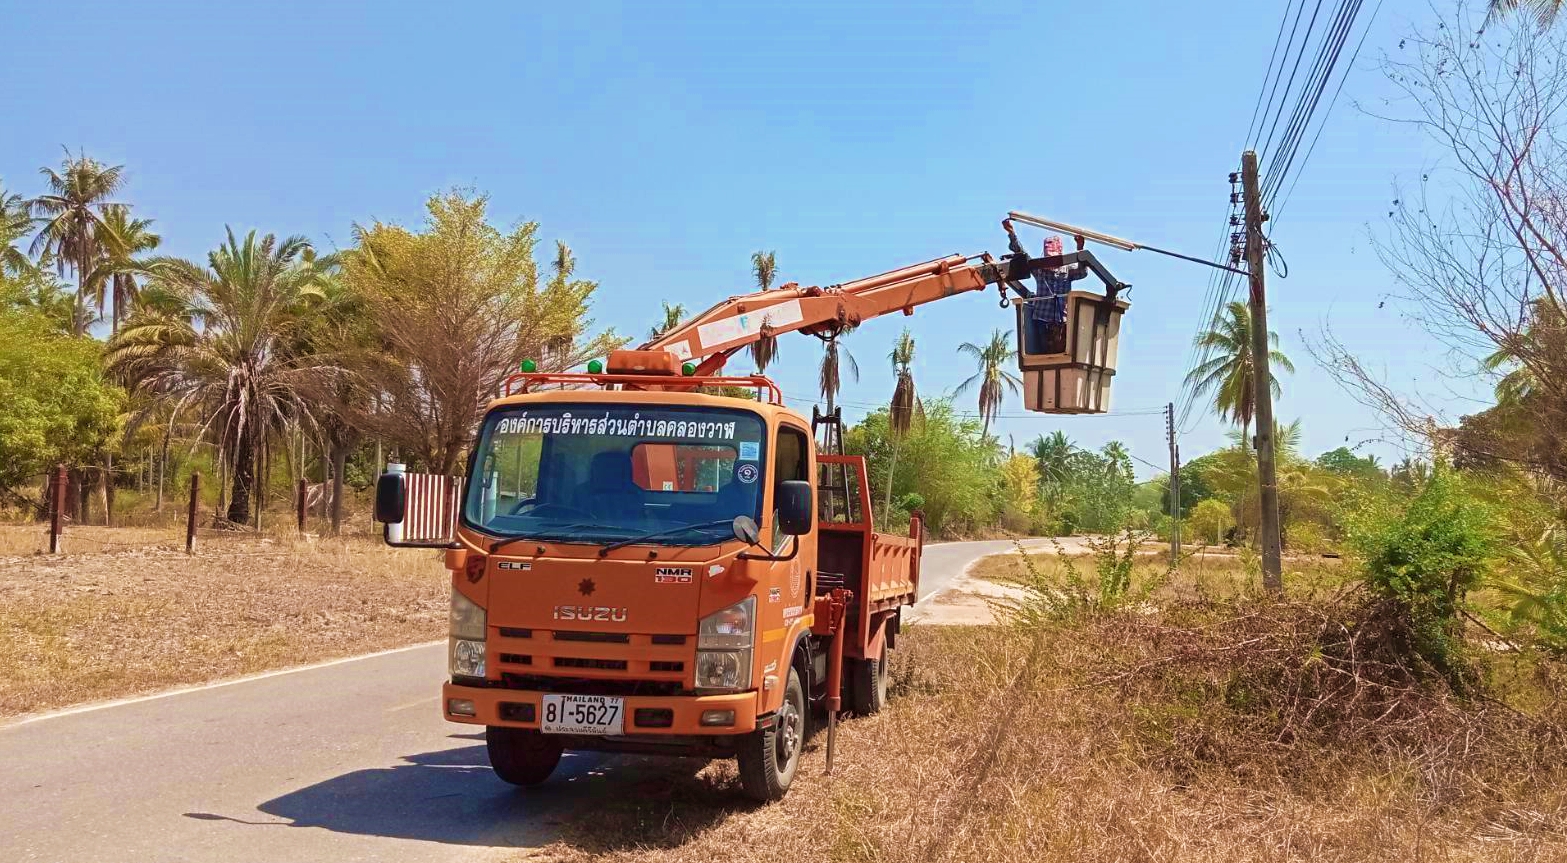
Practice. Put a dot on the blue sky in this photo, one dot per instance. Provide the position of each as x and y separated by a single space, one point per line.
666 142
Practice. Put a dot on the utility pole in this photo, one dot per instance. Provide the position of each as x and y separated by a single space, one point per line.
1272 566
1175 484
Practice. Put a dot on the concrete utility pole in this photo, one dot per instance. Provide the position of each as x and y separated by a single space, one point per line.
1175 484
1272 565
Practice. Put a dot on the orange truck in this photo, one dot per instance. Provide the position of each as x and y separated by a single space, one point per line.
641 564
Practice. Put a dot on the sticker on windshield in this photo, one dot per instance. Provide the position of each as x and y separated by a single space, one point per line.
750 450
746 473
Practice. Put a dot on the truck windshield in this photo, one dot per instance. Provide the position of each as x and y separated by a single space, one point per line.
602 473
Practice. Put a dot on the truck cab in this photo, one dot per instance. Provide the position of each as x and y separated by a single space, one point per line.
640 566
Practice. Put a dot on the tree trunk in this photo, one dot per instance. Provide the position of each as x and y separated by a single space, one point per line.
163 460
339 464
892 470
106 489
244 476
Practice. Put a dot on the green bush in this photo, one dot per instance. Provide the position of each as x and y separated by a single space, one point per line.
1424 554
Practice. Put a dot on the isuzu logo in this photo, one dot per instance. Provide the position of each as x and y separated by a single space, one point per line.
590 612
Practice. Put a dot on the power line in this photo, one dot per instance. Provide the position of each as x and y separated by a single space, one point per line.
1279 208
1305 37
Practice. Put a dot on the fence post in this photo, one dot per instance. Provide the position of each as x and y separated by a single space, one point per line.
190 513
299 504
56 506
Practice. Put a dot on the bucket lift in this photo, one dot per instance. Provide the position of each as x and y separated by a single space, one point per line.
1067 339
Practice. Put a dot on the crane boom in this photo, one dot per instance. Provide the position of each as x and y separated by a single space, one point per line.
714 335
1067 338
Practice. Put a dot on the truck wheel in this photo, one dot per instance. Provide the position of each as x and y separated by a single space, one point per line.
769 757
868 684
521 756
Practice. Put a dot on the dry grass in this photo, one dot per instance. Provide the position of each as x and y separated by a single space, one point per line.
1102 740
144 616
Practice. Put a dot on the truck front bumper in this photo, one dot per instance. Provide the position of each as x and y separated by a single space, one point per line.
669 715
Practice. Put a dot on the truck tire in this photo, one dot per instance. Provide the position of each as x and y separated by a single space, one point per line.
868 684
769 757
521 756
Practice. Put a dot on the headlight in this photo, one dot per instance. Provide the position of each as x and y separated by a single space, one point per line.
723 669
730 627
467 618
723 647
465 658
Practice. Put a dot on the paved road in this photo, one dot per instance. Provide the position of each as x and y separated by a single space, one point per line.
345 762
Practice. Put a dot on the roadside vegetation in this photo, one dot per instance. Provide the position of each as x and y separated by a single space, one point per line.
1129 711
130 613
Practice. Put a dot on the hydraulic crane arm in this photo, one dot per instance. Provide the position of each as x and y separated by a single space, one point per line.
716 334
713 336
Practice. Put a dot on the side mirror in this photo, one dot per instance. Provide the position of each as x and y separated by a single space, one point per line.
746 530
391 499
792 500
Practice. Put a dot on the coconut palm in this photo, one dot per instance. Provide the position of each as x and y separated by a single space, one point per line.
764 265
1545 11
1054 455
673 315
993 377
900 414
16 222
830 373
72 213
230 347
125 240
1229 374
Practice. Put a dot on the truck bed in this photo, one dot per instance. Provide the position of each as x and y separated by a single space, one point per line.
881 569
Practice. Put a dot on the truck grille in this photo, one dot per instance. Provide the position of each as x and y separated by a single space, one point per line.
601 637
605 664
587 686
595 655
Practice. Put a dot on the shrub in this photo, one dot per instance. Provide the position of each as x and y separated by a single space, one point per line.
1424 555
1210 520
1061 591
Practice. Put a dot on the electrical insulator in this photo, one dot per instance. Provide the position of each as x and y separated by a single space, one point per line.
1235 177
1235 221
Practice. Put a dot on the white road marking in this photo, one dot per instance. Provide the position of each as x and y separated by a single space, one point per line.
184 690
429 699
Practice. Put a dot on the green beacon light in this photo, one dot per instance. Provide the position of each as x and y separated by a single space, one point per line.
595 367
529 366
688 369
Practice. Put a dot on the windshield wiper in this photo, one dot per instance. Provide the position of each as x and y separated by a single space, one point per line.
663 531
502 543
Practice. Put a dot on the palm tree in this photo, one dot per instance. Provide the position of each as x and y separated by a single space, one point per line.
1053 454
829 376
1544 10
673 315
993 376
126 239
900 414
231 347
73 229
764 265
15 223
1228 374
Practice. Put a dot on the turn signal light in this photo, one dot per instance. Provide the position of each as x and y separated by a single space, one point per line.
474 567
718 717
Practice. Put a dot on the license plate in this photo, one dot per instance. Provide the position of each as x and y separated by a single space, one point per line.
583 714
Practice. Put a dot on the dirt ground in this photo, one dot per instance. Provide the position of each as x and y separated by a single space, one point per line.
140 615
